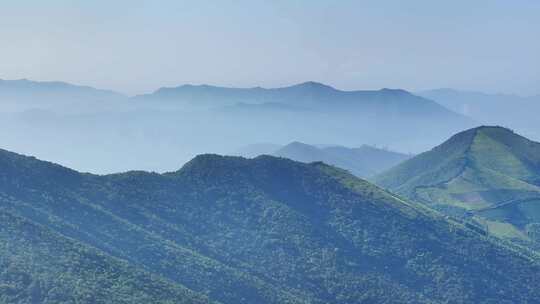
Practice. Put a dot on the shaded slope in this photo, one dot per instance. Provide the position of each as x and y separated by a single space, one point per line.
270 230
40 266
97 211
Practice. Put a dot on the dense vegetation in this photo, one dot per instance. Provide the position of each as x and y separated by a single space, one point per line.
488 175
265 230
40 266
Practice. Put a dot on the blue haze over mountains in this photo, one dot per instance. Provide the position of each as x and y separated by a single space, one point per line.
269 152
103 131
364 161
510 110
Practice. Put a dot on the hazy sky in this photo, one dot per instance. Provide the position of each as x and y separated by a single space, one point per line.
136 46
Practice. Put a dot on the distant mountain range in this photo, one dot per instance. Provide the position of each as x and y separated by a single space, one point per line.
24 94
254 150
323 109
508 110
37 89
239 231
159 131
489 175
364 161
476 104
308 94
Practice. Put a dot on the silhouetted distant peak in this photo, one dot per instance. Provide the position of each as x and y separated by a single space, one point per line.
313 85
298 143
201 86
28 86
297 147
202 91
395 92
451 92
188 87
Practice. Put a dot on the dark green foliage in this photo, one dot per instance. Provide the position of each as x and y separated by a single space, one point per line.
40 266
266 230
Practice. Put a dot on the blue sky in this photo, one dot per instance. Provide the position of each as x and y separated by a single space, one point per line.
138 46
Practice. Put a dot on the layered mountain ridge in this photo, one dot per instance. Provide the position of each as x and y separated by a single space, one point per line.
364 161
235 230
305 94
161 131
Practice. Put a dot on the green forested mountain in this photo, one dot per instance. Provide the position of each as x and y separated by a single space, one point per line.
38 265
488 174
263 230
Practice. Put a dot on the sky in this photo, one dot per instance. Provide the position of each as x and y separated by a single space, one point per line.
136 46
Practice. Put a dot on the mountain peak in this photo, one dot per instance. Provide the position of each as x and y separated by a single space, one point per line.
464 140
488 172
297 144
496 133
395 92
208 161
494 128
33 89
313 85
298 150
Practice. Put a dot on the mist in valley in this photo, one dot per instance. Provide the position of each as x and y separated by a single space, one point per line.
269 152
103 132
